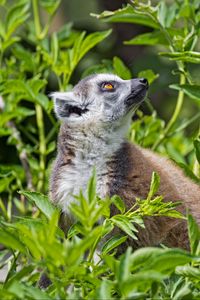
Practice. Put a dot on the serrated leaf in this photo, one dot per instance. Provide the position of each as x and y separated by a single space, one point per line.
124 224
112 243
42 202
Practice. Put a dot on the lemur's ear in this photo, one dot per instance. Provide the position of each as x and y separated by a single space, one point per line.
62 103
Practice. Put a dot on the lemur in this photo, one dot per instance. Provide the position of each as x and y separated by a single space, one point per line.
95 117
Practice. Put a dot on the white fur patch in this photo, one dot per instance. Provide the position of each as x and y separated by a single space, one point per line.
92 152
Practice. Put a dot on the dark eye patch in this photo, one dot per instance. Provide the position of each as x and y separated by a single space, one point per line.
77 110
66 110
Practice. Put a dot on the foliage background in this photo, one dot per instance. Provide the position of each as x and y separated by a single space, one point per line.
44 47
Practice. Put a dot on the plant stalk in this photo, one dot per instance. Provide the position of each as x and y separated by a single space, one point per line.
42 146
36 18
175 115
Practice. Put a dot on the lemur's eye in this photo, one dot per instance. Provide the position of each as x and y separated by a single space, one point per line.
107 86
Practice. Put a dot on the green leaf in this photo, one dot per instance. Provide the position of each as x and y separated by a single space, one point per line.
25 57
16 16
124 224
123 271
92 40
5 184
188 271
10 240
42 202
9 42
23 291
91 187
150 76
104 291
43 100
50 5
194 234
143 256
127 15
155 183
162 13
167 14
119 203
26 271
120 69
149 39
193 91
168 259
141 281
112 243
184 292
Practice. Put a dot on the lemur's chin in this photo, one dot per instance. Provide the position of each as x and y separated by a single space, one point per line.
135 99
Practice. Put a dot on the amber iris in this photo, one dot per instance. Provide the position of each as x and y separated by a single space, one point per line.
108 86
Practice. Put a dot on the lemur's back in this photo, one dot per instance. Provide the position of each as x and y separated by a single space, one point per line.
133 167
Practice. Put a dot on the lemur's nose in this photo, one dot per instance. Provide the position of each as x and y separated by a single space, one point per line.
144 81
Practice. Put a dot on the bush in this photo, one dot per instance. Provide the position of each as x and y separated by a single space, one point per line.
32 61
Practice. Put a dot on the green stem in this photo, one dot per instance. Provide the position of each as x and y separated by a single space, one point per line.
36 18
175 115
196 166
42 146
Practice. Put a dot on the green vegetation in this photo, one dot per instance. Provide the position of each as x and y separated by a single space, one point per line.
31 61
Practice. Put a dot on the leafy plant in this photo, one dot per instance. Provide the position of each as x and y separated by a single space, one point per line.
174 33
69 259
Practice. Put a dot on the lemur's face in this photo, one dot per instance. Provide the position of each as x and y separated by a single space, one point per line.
100 99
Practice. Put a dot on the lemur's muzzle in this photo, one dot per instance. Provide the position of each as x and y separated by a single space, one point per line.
139 87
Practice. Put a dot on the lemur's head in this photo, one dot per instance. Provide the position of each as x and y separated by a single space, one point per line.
102 99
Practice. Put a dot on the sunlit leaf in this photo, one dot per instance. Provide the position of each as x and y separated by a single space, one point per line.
41 201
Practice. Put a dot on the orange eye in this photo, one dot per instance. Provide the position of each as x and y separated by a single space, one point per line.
108 86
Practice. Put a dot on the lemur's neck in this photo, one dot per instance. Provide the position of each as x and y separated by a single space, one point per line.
79 151
89 143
